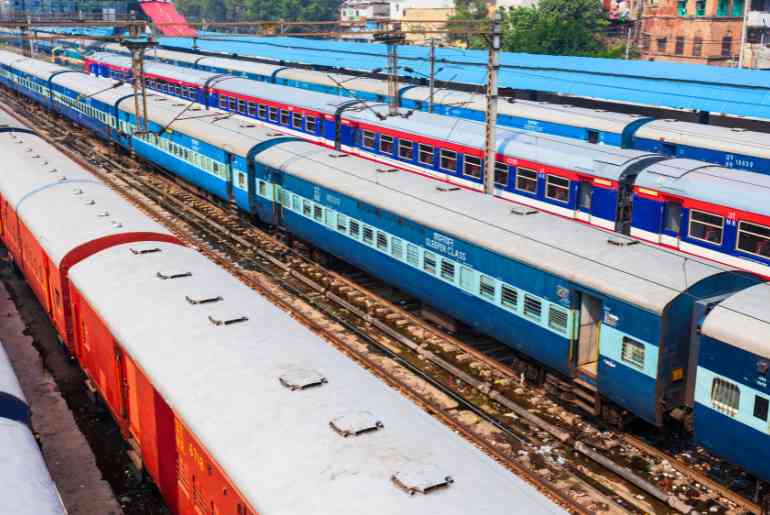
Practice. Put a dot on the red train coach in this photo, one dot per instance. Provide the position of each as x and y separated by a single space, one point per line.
53 214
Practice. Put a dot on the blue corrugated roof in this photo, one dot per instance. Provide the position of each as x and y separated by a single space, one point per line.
681 86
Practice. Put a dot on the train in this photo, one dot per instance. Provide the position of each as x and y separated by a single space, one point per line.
724 146
632 329
228 403
714 212
26 487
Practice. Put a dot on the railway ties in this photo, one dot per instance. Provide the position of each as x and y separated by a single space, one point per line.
513 421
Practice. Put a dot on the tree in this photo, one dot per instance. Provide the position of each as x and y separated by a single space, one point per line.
467 12
557 27
250 10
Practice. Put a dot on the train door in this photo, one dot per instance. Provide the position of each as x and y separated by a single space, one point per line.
585 200
671 232
589 326
625 204
277 182
129 393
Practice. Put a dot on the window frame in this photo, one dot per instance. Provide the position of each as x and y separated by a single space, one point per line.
404 144
632 357
366 134
690 221
740 230
298 126
548 184
424 149
480 166
453 159
386 140
718 387
536 180
272 114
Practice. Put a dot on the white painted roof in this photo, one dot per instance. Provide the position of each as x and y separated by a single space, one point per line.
743 320
647 276
26 487
725 139
59 200
697 180
276 444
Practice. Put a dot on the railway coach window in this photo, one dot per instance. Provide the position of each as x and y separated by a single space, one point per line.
310 124
368 235
252 109
382 241
760 407
501 173
472 167
284 117
533 308
342 223
706 227
509 297
754 239
672 217
526 180
233 104
632 352
487 287
306 208
367 139
426 154
318 213
449 160
429 262
405 149
386 144
557 188
466 278
396 247
447 270
262 110
242 106
725 397
558 319
412 254
273 114
296 121
223 102
355 228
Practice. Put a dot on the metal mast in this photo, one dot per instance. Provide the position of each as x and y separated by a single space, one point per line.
493 68
137 43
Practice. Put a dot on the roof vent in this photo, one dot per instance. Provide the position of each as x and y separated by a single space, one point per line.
523 211
117 224
387 170
202 299
89 202
300 378
179 105
77 191
62 178
738 129
354 424
35 156
29 149
161 99
228 320
337 155
414 479
173 275
621 242
444 189
53 170
247 126
273 133
45 163
104 214
138 251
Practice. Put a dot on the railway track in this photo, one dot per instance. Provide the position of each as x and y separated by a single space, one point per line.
486 401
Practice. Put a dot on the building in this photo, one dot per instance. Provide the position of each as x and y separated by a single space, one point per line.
705 31
362 10
416 19
67 9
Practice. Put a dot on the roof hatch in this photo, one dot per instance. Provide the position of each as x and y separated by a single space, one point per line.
138 251
354 424
621 242
174 274
444 189
300 378
523 211
415 478
227 319
203 299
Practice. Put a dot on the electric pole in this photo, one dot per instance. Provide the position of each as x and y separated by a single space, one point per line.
432 73
137 43
493 69
392 38
744 32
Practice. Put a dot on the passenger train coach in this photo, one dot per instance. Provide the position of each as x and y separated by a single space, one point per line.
628 191
229 404
724 146
26 487
623 321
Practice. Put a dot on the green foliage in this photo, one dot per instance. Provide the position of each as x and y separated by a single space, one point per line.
466 12
249 10
557 27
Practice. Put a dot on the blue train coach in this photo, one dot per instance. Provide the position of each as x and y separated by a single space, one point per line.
732 395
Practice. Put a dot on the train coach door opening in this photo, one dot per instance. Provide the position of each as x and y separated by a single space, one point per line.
672 224
588 334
